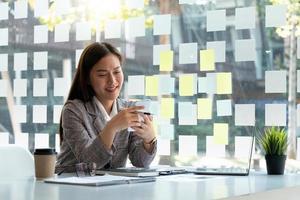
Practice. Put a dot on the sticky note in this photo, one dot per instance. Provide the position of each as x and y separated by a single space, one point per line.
77 56
4 138
135 27
224 107
187 145
61 87
40 87
57 113
41 140
20 87
61 33
207 60
20 113
20 61
245 18
244 114
245 50
166 131
112 29
188 53
275 81
4 88
166 61
166 84
298 47
275 114
276 15
21 139
167 108
202 84
187 113
242 146
21 9
298 149
224 83
298 115
151 88
162 24
187 84
39 114
4 10
62 7
40 34
211 83
213 149
216 20
3 36
134 4
157 49
3 62
221 133
204 108
219 48
83 31
163 147
136 85
41 8
40 60
57 143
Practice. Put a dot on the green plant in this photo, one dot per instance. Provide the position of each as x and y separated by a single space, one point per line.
274 141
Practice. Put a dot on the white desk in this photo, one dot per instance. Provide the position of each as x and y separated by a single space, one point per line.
188 187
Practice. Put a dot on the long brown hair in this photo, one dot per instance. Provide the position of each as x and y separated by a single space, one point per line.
80 88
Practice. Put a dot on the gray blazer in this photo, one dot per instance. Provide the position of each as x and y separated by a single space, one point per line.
82 122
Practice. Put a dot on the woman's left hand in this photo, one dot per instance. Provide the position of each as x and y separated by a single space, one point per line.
146 130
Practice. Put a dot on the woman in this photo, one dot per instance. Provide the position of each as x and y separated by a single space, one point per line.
94 121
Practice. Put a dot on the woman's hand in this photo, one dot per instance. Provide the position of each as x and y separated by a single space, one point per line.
145 130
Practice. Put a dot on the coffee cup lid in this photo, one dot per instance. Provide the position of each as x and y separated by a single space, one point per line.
45 151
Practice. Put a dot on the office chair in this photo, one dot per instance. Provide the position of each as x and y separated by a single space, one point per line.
16 162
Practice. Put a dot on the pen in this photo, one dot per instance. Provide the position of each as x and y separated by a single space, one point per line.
145 113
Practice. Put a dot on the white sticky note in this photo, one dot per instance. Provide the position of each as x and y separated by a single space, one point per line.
20 87
20 112
62 7
298 115
244 114
162 24
224 107
57 143
3 36
40 60
298 80
275 114
4 10
166 131
216 20
20 61
39 114
202 84
77 56
166 84
187 145
134 4
4 138
83 31
220 49
157 49
21 9
187 113
3 62
57 113
276 15
245 50
298 47
275 81
41 140
188 53
211 83
61 33
21 139
135 27
41 8
245 18
61 87
40 34
40 87
213 149
298 148
4 88
112 29
242 146
163 147
136 85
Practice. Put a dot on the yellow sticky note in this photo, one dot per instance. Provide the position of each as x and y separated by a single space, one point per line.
186 85
204 108
207 60
166 61
224 83
220 133
167 108
151 85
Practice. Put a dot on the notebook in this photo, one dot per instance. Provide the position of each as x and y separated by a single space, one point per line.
130 171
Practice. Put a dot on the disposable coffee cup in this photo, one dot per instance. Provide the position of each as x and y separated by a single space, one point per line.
44 160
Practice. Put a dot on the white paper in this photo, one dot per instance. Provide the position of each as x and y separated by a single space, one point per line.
4 88
20 112
245 50
166 131
275 81
216 20
57 143
21 139
40 60
220 49
40 34
135 4
211 83
41 8
61 33
136 85
298 148
20 87
187 113
298 117
187 145
57 113
298 81
4 10
21 9
214 150
3 62
202 85
166 84
276 15
62 7
83 31
4 138
162 24
187 1
275 114
3 36
163 147
242 146
245 18
298 47
244 115
135 27
224 107
61 87
41 140
40 87
113 29
78 54
188 53
39 114
157 49
20 61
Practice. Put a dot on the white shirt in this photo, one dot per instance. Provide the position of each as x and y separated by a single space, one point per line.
107 116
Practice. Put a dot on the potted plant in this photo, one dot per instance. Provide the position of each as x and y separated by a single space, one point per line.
274 143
